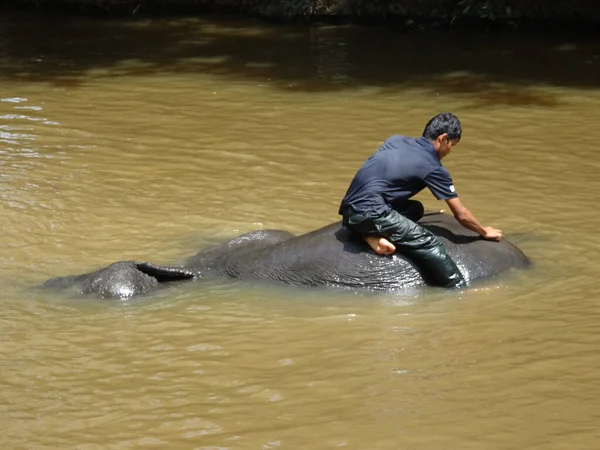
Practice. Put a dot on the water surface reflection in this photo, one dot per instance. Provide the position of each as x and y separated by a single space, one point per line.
148 140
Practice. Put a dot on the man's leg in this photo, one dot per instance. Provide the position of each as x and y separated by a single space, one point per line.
363 224
423 248
380 245
411 209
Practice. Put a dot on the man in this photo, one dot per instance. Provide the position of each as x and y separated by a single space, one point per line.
377 202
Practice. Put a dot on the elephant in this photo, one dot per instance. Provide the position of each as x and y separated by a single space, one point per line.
332 256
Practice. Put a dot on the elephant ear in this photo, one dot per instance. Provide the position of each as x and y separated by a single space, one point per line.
164 274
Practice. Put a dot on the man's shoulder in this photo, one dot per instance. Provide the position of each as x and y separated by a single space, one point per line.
397 143
411 149
398 139
438 170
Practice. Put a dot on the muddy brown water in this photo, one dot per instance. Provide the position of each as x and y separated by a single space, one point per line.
150 139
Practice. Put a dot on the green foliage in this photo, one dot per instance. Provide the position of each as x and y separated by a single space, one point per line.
410 11
484 9
475 7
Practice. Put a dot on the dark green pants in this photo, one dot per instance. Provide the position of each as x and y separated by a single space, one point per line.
420 245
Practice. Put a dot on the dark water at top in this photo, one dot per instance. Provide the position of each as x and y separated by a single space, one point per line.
149 139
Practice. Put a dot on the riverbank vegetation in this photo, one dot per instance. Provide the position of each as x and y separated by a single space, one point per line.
405 12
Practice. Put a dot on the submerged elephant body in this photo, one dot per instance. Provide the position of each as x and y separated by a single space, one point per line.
331 256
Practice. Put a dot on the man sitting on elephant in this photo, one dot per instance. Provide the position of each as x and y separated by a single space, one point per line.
377 203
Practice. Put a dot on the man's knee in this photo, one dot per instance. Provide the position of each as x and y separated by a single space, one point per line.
415 210
430 241
419 237
411 209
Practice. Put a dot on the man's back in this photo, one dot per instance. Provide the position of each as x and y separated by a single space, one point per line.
398 170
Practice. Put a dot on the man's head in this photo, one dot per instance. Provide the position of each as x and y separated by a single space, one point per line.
444 131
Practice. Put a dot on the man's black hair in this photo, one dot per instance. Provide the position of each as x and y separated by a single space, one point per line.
444 122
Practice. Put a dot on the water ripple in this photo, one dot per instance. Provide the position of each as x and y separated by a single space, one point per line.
155 166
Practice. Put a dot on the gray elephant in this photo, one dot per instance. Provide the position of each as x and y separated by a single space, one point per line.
331 256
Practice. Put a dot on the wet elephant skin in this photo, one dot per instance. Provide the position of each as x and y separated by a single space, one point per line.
331 256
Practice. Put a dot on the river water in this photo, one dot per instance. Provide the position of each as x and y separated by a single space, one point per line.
151 139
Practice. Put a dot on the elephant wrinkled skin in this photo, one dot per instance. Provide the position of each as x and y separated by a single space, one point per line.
330 256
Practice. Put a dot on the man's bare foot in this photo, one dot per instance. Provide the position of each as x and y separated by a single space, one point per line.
380 245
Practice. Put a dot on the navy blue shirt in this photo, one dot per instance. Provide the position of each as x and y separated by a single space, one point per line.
401 168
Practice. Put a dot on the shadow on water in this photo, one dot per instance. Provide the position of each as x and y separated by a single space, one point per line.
499 68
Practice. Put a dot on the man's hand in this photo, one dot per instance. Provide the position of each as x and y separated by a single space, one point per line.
468 220
492 234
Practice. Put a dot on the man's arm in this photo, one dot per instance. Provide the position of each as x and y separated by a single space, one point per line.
468 220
